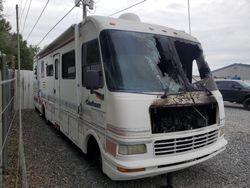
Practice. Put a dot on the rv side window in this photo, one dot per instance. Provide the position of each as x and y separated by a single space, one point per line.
56 69
68 65
42 69
49 70
35 71
91 60
92 53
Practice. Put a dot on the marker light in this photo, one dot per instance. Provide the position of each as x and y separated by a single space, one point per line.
130 170
111 147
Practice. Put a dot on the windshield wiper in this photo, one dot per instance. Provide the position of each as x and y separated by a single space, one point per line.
203 86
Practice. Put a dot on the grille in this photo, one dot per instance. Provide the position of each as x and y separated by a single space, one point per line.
179 145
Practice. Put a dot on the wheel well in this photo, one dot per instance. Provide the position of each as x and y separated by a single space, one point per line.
43 110
93 150
246 97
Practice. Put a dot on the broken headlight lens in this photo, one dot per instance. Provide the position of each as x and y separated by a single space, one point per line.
132 149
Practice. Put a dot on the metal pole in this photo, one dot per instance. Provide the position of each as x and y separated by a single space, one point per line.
21 158
189 22
18 72
18 86
1 124
84 11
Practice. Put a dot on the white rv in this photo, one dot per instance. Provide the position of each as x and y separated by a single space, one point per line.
122 91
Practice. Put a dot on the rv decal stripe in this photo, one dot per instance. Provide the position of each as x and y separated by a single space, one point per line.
123 131
62 102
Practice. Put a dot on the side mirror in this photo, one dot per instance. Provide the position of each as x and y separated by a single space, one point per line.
92 79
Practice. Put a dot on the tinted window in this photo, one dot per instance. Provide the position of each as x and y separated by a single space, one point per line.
42 69
223 85
235 84
56 69
68 65
49 70
91 59
226 84
35 72
219 84
92 52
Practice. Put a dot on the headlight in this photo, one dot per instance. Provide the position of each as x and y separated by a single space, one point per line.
222 131
132 149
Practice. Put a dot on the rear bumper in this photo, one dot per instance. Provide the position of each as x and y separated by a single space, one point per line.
160 165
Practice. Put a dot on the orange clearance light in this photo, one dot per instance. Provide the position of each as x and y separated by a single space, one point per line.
125 170
111 147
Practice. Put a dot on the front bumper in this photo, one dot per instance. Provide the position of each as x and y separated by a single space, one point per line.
160 165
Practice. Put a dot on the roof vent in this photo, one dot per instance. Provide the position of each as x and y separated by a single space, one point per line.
130 16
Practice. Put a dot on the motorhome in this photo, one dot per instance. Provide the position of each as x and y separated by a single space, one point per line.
123 92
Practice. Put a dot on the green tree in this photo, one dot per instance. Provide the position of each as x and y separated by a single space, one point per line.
8 45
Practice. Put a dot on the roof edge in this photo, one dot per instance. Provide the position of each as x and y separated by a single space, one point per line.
56 42
234 64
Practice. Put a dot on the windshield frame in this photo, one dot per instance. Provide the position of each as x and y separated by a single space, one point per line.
188 86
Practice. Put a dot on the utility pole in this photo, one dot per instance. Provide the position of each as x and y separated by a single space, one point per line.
85 3
84 11
189 22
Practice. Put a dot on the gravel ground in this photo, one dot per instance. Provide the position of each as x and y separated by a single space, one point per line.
53 161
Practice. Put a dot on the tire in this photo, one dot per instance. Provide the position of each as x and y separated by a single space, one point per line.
44 115
43 112
94 154
36 109
246 104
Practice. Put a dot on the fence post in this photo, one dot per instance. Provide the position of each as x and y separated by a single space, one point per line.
1 125
6 115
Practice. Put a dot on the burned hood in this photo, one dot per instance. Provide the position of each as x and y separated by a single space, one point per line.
185 98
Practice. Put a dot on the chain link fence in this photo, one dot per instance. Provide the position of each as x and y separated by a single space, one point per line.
11 166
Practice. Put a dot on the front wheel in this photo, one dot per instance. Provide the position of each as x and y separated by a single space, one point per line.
246 104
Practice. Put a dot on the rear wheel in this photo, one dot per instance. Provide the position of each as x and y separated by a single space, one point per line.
246 104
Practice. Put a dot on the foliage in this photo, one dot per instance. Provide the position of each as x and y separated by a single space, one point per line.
8 45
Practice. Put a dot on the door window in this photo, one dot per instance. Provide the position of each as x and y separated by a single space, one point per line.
56 69
91 60
49 70
42 69
68 65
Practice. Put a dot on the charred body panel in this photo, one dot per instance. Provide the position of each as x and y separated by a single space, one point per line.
182 112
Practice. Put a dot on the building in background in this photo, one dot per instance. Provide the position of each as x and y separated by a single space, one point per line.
237 71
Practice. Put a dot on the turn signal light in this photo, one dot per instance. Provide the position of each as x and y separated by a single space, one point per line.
125 170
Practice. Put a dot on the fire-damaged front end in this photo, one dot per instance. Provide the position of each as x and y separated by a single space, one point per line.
165 111
185 113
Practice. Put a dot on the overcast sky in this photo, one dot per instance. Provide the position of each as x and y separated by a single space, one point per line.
222 26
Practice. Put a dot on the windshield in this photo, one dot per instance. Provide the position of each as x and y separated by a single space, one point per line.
244 84
148 62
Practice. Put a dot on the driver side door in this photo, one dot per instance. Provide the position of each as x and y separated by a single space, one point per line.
92 102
